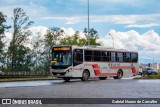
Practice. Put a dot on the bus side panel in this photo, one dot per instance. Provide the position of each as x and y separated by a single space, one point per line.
131 71
105 68
127 72
77 71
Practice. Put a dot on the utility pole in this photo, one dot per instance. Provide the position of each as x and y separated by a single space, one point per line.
112 39
88 26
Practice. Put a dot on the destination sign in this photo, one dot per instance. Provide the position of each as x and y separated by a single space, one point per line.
61 48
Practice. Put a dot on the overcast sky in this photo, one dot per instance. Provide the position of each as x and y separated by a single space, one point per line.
134 24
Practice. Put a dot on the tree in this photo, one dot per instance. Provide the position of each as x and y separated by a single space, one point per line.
23 58
77 40
52 38
93 36
38 56
73 40
20 26
3 27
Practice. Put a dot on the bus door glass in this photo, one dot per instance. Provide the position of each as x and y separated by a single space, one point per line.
77 57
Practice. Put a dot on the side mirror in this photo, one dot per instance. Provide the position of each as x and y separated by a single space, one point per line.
49 57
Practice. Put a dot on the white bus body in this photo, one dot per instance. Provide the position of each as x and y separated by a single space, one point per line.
83 62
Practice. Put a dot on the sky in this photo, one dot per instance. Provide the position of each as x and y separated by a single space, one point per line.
132 24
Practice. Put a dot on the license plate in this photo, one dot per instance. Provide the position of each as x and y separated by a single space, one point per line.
58 75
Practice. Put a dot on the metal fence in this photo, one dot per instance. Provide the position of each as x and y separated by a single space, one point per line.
26 73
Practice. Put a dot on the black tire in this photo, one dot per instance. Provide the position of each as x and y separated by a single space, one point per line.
153 73
85 75
102 78
115 77
66 79
141 73
148 73
119 74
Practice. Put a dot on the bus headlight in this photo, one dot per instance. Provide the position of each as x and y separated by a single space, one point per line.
69 70
53 62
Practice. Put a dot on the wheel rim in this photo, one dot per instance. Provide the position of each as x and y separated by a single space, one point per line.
85 75
119 74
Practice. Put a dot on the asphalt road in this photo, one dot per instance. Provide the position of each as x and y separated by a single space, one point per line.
110 88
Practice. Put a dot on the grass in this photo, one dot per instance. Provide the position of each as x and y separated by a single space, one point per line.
149 77
27 79
154 76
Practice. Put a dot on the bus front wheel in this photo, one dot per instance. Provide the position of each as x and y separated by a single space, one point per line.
66 79
85 75
102 78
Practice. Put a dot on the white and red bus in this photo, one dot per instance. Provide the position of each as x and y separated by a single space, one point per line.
70 62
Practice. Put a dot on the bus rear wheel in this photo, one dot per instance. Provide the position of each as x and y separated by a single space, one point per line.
119 74
85 75
66 79
102 78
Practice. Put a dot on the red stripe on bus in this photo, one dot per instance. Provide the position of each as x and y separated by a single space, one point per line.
95 66
83 67
134 71
107 74
121 67
98 72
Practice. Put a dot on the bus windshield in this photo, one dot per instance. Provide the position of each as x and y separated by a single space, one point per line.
61 58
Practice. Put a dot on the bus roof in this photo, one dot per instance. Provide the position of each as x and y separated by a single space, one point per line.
103 48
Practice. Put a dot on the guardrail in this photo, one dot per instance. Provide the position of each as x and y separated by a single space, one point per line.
24 74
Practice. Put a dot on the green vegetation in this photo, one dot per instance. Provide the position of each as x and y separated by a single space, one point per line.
18 53
77 40
149 77
22 55
3 27
154 76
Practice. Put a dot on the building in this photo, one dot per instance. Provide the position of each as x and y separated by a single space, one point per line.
153 65
156 66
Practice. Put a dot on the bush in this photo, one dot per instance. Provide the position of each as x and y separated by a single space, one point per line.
154 76
149 76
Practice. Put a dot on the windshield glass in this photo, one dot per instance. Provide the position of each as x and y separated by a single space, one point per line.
61 58
150 68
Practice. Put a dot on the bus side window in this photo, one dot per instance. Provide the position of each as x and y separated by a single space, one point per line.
128 57
134 57
88 55
113 57
106 56
97 55
119 56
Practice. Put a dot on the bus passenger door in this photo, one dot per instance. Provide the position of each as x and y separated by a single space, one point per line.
77 63
77 57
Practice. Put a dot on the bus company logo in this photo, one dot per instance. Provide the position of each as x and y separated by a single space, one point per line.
6 101
114 64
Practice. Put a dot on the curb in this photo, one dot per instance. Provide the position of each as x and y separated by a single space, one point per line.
21 79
